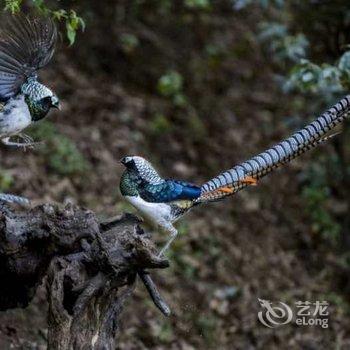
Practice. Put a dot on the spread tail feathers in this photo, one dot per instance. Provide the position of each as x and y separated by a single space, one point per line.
26 45
242 175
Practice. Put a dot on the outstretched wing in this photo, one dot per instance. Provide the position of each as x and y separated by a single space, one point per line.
168 191
242 175
26 45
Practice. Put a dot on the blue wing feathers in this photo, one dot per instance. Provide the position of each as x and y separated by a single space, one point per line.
188 191
169 190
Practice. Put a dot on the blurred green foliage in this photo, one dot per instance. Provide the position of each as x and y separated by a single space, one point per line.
171 85
164 331
160 124
313 58
283 45
183 264
13 5
6 180
199 4
129 42
316 198
325 78
340 301
196 128
72 21
61 154
291 41
241 4
207 326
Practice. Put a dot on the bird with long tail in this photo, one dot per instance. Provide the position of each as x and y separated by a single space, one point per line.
163 201
26 45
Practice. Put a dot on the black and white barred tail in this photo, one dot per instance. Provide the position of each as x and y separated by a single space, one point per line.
233 180
10 198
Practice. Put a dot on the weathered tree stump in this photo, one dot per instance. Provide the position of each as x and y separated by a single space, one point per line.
91 268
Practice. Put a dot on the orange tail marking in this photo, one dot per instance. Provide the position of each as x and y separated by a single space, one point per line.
249 180
226 189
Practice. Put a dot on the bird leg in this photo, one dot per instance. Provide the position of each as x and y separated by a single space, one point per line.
6 141
27 142
169 228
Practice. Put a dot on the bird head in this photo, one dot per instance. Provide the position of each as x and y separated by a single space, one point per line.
40 98
128 162
141 168
136 163
41 107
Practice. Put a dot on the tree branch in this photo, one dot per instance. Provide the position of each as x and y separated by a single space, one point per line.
91 268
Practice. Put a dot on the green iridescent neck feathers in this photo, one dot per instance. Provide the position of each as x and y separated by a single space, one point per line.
39 98
138 174
128 184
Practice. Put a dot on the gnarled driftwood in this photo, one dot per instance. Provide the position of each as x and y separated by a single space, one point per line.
91 268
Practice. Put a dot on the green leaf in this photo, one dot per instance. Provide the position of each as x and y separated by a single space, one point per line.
170 84
59 14
71 33
13 6
129 42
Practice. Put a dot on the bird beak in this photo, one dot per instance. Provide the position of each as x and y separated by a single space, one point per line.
125 160
55 102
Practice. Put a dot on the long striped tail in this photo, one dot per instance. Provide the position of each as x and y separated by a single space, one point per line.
247 173
10 198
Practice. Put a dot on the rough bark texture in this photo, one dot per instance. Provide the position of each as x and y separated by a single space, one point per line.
91 268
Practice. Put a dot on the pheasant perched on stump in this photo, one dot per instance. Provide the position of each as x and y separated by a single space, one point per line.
163 201
26 45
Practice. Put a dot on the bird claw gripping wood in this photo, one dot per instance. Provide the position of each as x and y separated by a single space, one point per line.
26 143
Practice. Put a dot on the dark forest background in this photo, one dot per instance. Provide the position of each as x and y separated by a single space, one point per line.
196 86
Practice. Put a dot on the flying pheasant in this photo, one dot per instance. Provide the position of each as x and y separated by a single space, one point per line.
26 45
163 201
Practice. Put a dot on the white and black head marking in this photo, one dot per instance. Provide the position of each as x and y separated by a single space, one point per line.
50 102
55 102
144 168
